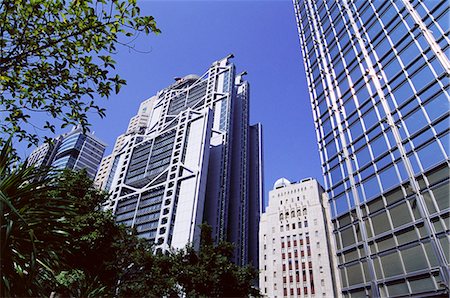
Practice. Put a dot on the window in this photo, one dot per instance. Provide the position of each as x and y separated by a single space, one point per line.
391 264
414 258
400 215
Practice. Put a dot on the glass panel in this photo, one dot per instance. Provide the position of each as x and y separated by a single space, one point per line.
430 254
395 289
438 175
421 285
414 259
375 205
355 274
445 244
371 187
380 223
378 146
377 266
394 196
403 93
437 106
351 255
385 243
389 178
341 204
391 265
438 226
400 215
430 155
415 121
429 202
363 156
348 238
406 236
441 195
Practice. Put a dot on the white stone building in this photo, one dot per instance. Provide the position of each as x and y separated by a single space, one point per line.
294 254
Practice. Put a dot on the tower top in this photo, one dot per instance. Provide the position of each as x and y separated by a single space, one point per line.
282 182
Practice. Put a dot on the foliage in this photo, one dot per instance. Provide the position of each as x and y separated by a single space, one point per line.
105 259
33 228
55 56
55 238
210 273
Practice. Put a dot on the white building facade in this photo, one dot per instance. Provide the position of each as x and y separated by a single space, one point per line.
192 157
296 258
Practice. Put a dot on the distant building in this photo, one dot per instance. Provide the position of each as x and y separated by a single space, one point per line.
190 156
74 150
378 75
296 256
43 155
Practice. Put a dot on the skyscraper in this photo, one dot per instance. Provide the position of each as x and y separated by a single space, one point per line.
195 159
137 124
296 258
74 150
377 73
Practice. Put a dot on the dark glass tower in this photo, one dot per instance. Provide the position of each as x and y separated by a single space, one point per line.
377 73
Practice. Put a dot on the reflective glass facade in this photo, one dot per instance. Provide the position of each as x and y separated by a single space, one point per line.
77 150
74 150
377 73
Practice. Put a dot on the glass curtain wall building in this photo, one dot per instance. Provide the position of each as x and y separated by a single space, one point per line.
377 73
196 160
74 150
77 150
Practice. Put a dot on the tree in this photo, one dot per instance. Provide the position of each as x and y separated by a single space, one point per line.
33 228
55 57
210 272
55 238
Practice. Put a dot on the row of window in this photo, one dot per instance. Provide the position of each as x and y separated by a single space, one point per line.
286 215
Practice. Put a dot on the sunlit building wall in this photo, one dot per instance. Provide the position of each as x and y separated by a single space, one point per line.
296 256
197 160
377 73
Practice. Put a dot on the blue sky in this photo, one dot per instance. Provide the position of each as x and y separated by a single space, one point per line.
262 35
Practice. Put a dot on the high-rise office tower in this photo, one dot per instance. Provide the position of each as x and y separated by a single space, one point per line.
296 258
74 150
137 124
377 73
196 159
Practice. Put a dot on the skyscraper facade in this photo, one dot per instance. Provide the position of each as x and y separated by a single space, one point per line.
195 160
74 150
377 73
137 124
296 258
